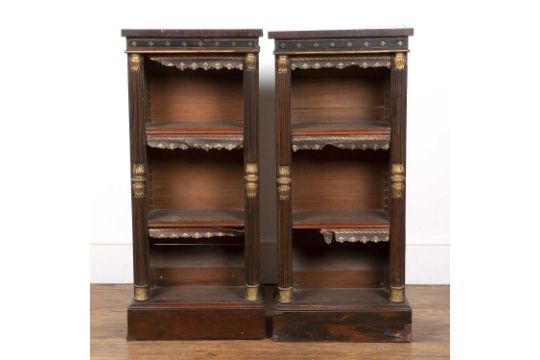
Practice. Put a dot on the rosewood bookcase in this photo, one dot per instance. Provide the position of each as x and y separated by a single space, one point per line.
193 107
341 119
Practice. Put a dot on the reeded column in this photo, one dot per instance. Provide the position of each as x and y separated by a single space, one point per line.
251 205
139 168
284 208
398 118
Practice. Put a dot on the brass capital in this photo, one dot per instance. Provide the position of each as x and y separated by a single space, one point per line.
251 61
283 63
399 61
135 62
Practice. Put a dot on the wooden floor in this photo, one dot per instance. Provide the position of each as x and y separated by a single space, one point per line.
431 335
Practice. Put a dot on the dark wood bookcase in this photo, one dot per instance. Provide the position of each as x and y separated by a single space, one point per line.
193 101
341 131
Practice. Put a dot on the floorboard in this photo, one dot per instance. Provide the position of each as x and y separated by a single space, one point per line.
431 335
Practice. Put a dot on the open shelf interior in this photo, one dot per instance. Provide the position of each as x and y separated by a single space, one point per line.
207 185
196 98
350 100
335 180
198 193
200 264
196 197
347 265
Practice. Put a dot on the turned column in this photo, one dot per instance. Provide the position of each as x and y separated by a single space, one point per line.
251 206
139 169
398 118
284 208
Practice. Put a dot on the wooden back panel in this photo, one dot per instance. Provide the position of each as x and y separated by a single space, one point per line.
337 95
196 96
196 179
337 179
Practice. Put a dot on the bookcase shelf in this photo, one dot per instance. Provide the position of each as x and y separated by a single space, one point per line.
189 218
353 135
217 135
341 219
195 213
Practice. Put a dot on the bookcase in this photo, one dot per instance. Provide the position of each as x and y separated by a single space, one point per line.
193 108
341 132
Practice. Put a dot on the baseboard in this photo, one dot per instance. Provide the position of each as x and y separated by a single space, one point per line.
428 262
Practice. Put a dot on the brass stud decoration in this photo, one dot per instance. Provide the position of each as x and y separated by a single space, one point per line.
283 64
140 293
134 62
398 180
138 180
251 62
252 179
284 181
397 294
399 61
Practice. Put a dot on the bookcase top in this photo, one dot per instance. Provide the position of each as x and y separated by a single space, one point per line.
323 34
192 33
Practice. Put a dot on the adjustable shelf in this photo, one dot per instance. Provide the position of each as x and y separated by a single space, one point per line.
185 218
359 134
195 208
341 219
228 135
340 118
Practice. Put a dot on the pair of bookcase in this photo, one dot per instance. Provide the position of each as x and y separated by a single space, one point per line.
340 192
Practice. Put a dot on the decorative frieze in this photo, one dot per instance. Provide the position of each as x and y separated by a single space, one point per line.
342 45
304 63
355 235
190 44
195 233
351 142
217 142
206 63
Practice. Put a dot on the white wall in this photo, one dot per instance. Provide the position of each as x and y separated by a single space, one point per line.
428 126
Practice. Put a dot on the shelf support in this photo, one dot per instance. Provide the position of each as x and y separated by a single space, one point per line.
284 208
398 119
251 155
137 119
